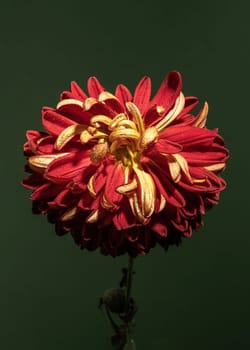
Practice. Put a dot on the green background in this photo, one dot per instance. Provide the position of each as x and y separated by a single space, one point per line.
192 297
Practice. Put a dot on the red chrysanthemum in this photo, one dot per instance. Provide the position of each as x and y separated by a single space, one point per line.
123 172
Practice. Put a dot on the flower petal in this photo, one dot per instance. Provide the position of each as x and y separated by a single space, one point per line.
169 91
189 137
94 87
165 146
54 122
66 168
74 109
142 94
123 94
40 162
67 134
146 191
200 122
77 91
114 179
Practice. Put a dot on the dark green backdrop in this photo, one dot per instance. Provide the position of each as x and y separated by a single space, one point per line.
193 297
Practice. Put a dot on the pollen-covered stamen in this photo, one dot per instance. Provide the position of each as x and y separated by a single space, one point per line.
99 152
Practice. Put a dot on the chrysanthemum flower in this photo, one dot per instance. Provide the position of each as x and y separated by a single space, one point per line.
123 172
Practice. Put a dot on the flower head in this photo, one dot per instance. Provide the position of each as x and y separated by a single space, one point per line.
123 172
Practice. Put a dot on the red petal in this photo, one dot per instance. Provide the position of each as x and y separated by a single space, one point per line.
101 108
94 87
213 183
65 198
124 217
74 113
115 177
114 105
100 177
142 94
45 191
168 91
33 181
188 136
54 122
123 94
167 147
77 91
32 136
66 168
204 158
46 145
190 103
152 116
169 191
159 228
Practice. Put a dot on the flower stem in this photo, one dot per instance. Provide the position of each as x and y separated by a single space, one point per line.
119 301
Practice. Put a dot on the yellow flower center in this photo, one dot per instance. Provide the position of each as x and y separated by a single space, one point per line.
122 136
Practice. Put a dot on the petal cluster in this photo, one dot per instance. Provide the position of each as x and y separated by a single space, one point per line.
122 172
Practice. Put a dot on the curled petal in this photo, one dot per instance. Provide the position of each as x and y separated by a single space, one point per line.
124 133
88 103
179 104
150 135
174 168
93 217
132 108
67 134
201 119
70 101
69 214
183 164
168 91
117 120
146 192
127 188
136 209
40 162
105 95
216 167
